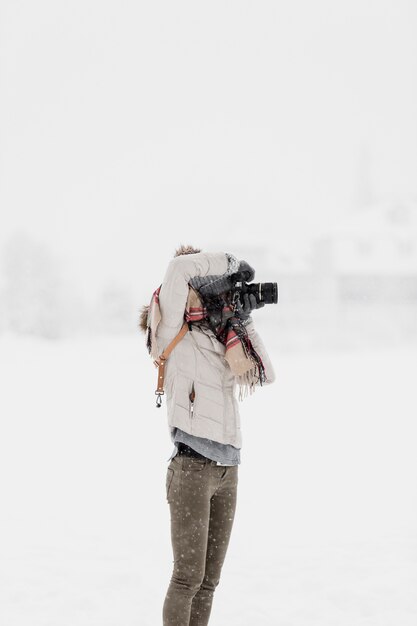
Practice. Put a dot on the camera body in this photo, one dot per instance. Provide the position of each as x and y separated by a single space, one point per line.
266 293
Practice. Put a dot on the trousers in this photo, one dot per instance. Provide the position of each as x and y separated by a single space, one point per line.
202 499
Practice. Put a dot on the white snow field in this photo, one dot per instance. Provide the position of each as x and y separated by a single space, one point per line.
326 524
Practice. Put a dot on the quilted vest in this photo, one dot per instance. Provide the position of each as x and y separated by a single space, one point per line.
197 362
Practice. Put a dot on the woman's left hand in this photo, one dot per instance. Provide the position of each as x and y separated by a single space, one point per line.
249 304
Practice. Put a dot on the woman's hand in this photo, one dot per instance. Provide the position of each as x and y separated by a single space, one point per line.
249 304
247 271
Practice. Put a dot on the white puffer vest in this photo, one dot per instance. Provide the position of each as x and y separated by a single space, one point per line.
197 361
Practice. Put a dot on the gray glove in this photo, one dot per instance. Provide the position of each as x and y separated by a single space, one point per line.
248 271
236 266
249 304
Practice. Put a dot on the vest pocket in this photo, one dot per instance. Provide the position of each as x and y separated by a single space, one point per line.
209 402
192 401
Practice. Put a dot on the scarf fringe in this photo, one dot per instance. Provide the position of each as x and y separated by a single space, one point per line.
247 383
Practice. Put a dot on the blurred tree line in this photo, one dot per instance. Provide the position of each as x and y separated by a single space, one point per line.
38 298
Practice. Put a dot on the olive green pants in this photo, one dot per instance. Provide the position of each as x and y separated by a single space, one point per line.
202 500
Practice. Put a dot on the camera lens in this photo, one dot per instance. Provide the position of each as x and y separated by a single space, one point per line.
269 292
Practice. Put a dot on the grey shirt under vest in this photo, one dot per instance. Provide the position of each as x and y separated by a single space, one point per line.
222 453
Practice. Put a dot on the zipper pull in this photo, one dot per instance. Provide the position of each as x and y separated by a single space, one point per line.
192 398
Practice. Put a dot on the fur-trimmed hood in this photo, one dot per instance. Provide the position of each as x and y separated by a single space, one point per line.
143 313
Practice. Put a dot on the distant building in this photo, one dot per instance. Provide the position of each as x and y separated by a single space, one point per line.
371 256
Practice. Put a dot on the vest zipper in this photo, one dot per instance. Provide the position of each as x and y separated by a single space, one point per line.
192 398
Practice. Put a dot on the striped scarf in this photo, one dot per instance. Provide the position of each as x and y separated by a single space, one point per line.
244 361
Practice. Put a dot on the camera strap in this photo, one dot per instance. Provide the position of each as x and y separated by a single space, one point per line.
160 362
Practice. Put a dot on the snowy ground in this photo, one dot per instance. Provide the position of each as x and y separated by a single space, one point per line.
326 526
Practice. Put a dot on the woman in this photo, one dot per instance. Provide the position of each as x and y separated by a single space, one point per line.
222 349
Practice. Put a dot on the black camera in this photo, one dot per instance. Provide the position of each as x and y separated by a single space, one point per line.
263 292
216 290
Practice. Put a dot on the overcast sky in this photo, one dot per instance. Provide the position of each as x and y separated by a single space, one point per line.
129 127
